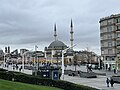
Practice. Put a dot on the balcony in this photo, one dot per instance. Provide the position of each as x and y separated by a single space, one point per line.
118 45
118 30
118 39
117 23
103 33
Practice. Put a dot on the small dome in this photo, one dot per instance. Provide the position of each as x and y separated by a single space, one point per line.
58 45
70 52
1 51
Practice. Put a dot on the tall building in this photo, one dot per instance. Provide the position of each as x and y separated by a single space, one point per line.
8 49
110 41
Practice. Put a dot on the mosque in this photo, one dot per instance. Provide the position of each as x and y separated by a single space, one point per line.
53 52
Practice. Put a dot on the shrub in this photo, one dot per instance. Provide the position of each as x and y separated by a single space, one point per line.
1 69
6 75
20 77
116 79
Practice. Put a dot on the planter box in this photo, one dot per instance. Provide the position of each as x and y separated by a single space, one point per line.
116 79
87 74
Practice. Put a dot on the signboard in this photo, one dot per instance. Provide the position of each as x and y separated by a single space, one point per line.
55 75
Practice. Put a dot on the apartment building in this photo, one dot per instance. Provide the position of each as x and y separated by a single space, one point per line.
110 41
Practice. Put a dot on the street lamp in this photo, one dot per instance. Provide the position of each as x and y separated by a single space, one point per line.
23 64
63 51
116 66
4 59
63 64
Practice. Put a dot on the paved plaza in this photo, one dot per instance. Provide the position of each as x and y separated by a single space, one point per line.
98 82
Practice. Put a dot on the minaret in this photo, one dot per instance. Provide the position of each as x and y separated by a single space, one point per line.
55 34
71 33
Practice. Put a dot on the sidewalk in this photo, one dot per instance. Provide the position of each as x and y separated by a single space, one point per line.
98 82
11 69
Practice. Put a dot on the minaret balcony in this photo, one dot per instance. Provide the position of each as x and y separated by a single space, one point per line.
71 39
71 32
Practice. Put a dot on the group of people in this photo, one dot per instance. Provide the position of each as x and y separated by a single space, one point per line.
109 81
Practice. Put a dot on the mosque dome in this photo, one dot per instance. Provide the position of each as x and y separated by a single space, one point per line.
1 51
57 45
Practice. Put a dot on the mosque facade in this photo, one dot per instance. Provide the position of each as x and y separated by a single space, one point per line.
53 52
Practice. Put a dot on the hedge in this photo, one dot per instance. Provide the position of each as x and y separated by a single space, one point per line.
116 79
2 69
25 78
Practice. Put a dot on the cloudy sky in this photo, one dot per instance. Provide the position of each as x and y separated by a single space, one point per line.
26 23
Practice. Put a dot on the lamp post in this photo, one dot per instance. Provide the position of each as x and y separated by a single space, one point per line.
63 51
52 57
116 66
4 60
23 57
63 64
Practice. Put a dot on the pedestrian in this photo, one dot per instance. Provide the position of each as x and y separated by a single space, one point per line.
111 82
107 82
114 71
59 75
109 69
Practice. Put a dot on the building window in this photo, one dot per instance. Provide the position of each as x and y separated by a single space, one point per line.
109 22
118 35
118 20
118 27
118 51
109 28
102 44
109 36
103 23
102 52
109 51
109 44
101 37
118 43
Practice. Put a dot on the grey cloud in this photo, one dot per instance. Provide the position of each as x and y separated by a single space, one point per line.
30 22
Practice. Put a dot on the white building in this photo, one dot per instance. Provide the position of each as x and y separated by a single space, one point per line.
110 40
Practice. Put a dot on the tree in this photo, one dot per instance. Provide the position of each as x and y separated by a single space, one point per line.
75 59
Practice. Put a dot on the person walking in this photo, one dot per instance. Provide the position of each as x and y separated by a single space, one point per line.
114 71
111 82
107 82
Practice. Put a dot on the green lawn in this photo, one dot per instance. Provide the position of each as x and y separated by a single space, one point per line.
9 85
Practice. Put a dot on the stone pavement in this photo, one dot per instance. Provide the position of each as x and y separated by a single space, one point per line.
99 82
